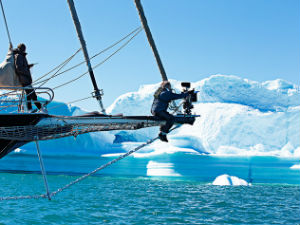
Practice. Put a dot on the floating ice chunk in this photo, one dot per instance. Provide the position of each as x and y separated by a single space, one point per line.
295 167
229 181
19 150
161 169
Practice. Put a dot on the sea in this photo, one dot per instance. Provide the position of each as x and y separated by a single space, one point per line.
163 189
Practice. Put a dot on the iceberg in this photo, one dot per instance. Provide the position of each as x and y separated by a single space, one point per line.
226 180
295 167
238 117
161 169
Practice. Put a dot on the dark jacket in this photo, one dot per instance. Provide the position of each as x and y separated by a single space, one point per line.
162 98
22 68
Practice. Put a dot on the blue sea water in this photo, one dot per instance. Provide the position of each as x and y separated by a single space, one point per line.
124 194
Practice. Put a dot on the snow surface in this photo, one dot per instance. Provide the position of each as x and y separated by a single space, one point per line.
227 180
238 117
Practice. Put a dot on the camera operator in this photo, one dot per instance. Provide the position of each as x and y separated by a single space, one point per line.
162 97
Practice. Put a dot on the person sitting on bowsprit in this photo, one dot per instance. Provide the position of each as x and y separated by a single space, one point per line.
162 97
23 72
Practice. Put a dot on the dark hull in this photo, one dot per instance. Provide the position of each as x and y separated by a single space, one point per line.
7 146
19 129
7 120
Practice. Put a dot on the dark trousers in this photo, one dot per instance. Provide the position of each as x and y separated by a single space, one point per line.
31 95
169 120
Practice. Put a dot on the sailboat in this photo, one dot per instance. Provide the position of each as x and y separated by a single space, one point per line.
21 127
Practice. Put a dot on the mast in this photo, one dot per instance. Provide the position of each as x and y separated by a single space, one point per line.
5 21
143 19
97 94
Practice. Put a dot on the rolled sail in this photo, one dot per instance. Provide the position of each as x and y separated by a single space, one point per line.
8 76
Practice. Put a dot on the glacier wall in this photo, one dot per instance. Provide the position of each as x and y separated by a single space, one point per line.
238 117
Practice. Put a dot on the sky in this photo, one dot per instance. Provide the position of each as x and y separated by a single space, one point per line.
254 39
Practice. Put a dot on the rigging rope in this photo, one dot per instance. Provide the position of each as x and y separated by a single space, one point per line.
101 52
5 21
78 100
86 175
63 64
57 67
102 62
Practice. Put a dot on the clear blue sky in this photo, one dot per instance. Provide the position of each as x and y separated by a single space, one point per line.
254 39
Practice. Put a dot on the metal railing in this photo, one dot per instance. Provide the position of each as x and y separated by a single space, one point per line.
14 99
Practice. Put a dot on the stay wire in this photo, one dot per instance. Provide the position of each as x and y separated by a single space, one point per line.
57 67
109 163
62 66
78 100
101 52
5 21
102 62
88 174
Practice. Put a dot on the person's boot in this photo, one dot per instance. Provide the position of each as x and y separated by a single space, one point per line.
163 137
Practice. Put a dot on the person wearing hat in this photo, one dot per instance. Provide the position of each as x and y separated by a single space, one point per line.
24 74
162 97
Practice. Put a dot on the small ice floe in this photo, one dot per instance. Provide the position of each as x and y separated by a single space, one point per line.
112 155
161 169
229 181
19 150
295 167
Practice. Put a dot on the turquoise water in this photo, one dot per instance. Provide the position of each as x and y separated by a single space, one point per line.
124 194
112 200
192 167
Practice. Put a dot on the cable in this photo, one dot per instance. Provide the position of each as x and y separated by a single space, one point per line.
62 66
78 100
86 175
35 82
99 64
4 17
101 52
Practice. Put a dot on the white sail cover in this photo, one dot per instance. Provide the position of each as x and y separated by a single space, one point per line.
8 76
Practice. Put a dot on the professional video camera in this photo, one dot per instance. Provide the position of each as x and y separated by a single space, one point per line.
188 101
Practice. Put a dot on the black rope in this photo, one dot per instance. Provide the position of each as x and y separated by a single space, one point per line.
144 22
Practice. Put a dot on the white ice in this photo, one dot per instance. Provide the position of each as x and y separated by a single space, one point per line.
238 117
226 180
161 169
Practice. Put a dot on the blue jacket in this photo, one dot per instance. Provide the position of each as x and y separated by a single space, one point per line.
161 103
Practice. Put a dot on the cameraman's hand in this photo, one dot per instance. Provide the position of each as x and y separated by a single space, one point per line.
191 92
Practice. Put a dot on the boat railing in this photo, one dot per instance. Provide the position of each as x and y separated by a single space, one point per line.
14 99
